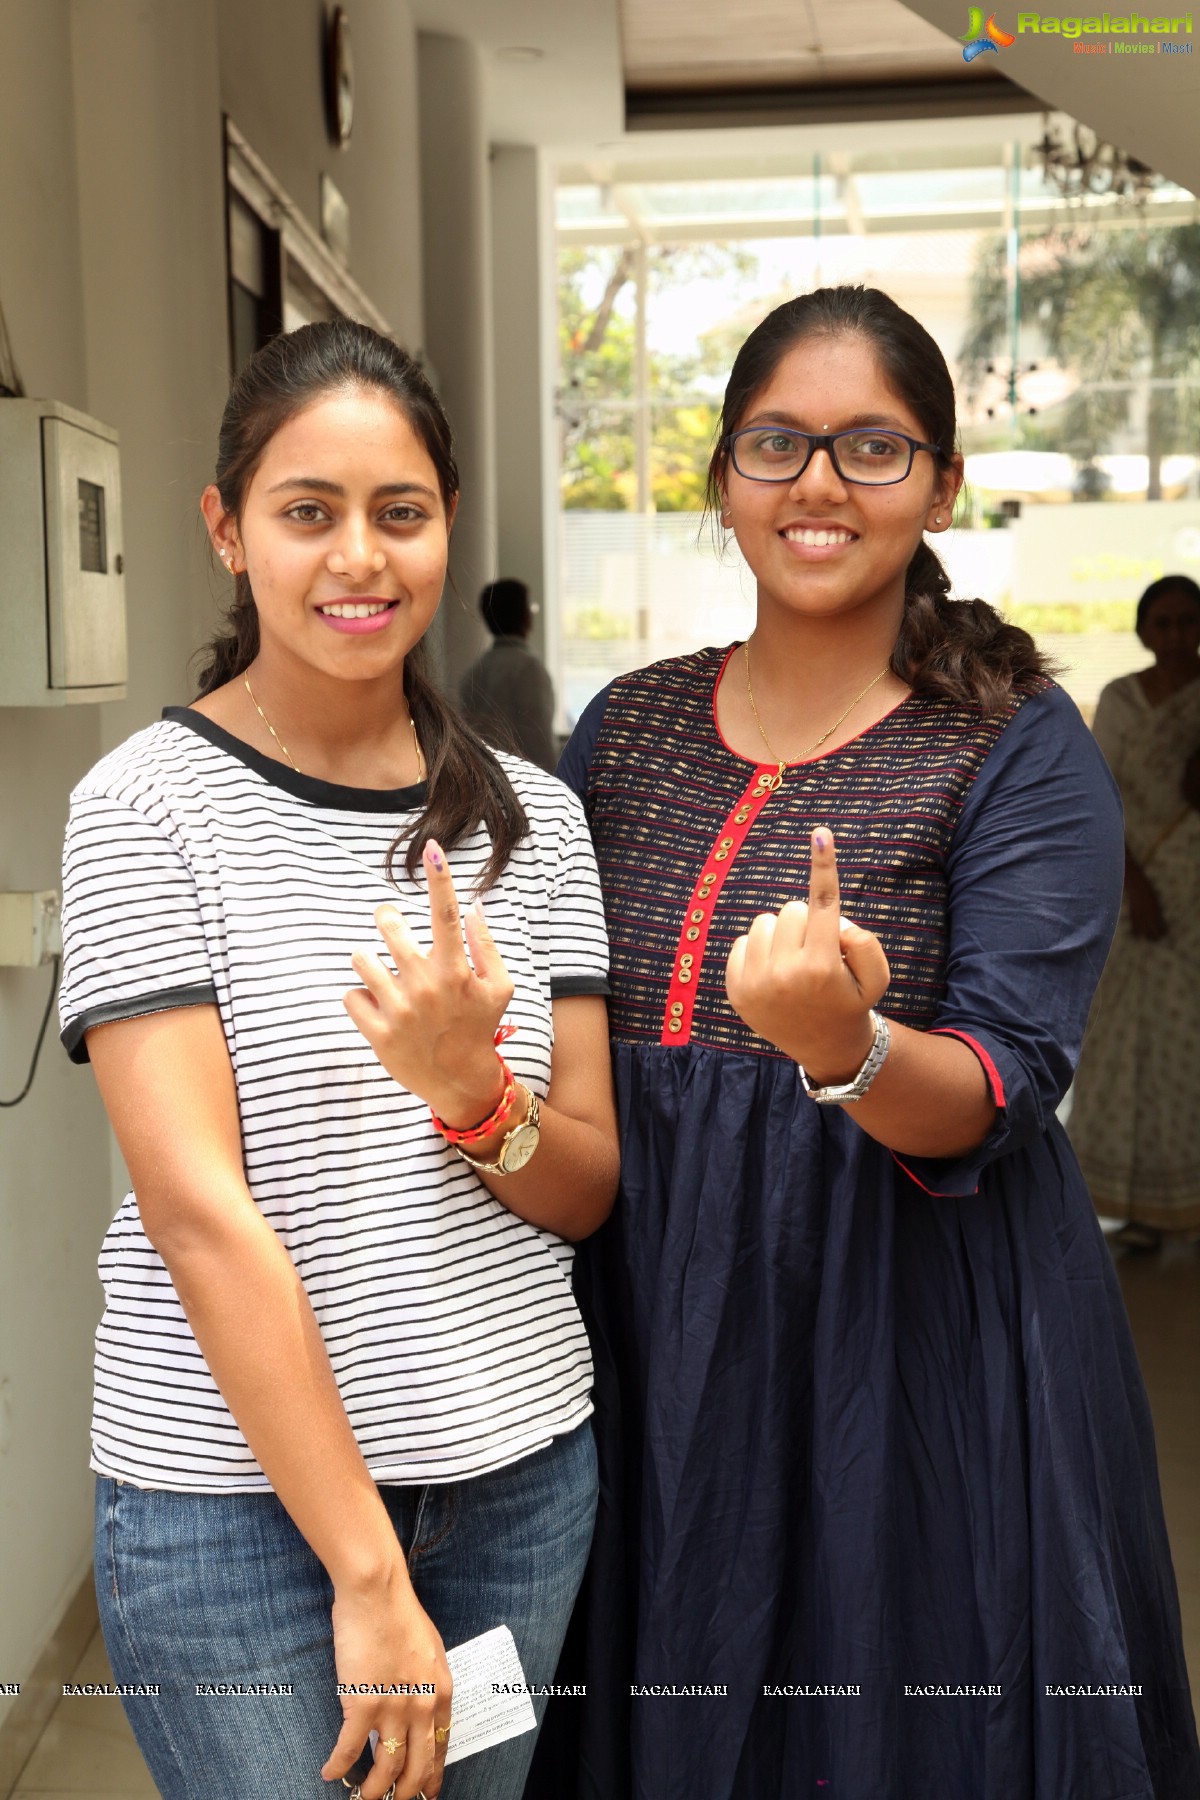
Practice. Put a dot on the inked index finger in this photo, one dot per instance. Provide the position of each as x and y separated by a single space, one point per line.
443 906
824 898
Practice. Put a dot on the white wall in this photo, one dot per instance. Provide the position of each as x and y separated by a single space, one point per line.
53 1148
148 122
456 213
271 89
112 275
525 322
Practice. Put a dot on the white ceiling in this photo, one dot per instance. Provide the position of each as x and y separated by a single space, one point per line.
570 98
764 152
573 92
713 43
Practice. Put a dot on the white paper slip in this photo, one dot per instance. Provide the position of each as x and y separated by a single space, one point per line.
481 1717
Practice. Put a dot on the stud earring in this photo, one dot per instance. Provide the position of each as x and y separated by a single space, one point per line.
937 518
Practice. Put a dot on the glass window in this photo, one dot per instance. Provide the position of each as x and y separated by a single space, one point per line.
1077 368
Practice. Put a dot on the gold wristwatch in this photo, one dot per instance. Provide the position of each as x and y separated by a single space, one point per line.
517 1146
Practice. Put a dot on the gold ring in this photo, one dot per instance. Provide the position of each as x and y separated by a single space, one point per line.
391 1745
441 1734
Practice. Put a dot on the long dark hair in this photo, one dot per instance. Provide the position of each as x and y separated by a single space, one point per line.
960 649
466 782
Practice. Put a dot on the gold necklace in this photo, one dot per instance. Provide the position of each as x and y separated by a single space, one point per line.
825 735
262 715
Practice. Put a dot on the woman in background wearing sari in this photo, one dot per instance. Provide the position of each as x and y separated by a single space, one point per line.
1135 1128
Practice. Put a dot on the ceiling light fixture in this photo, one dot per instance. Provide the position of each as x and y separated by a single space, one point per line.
1078 162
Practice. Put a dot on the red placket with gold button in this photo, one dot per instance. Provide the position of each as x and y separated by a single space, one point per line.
693 936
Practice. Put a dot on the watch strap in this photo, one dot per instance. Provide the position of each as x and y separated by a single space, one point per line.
532 1119
856 1087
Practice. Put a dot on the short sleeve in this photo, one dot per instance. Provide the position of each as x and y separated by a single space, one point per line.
133 937
1034 872
576 759
578 937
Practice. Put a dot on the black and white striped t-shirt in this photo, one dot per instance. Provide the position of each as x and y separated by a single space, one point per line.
197 872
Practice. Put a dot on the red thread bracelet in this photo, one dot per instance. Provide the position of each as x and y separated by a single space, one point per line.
474 1134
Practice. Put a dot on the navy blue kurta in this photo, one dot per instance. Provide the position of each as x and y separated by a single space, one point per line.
869 1426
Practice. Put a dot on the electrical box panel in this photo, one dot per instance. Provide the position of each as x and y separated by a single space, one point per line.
62 584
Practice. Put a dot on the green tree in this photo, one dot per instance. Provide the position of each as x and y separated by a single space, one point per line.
596 355
596 395
1118 307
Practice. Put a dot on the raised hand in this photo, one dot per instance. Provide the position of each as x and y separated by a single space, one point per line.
433 1023
806 979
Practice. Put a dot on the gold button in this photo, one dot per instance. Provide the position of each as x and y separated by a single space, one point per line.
685 975
726 843
697 917
676 1008
692 933
674 1024
686 960
721 856
742 816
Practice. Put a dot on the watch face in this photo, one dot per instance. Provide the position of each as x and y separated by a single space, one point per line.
519 1148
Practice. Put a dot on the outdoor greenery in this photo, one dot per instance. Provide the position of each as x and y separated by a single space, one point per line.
1118 309
1113 306
596 623
1073 616
597 387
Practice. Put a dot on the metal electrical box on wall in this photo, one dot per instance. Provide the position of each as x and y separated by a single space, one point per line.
62 584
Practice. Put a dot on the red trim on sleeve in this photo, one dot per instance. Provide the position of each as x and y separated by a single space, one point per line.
916 1180
989 1067
697 919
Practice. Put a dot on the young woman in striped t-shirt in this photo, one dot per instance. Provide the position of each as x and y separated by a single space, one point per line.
342 1386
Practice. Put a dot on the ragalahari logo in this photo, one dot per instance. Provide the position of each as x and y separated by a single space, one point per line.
979 37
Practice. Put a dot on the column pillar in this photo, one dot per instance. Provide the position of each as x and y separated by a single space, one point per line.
456 241
525 313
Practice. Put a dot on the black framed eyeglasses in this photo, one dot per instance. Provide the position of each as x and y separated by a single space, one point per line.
866 457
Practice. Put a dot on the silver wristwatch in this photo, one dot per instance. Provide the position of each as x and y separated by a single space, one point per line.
857 1087
517 1146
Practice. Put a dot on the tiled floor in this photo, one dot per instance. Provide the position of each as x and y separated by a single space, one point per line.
1162 1294
87 1748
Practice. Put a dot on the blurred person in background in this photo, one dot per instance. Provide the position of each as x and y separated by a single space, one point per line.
507 695
1135 1116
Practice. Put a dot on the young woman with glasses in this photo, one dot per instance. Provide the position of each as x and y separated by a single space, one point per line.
879 1513
342 1403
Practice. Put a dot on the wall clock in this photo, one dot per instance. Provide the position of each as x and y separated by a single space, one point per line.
339 78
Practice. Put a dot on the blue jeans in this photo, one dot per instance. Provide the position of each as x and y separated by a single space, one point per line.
202 1588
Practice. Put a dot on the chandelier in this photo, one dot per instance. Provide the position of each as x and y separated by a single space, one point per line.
1078 162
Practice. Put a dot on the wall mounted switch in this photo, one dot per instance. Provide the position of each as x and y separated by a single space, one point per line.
30 929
